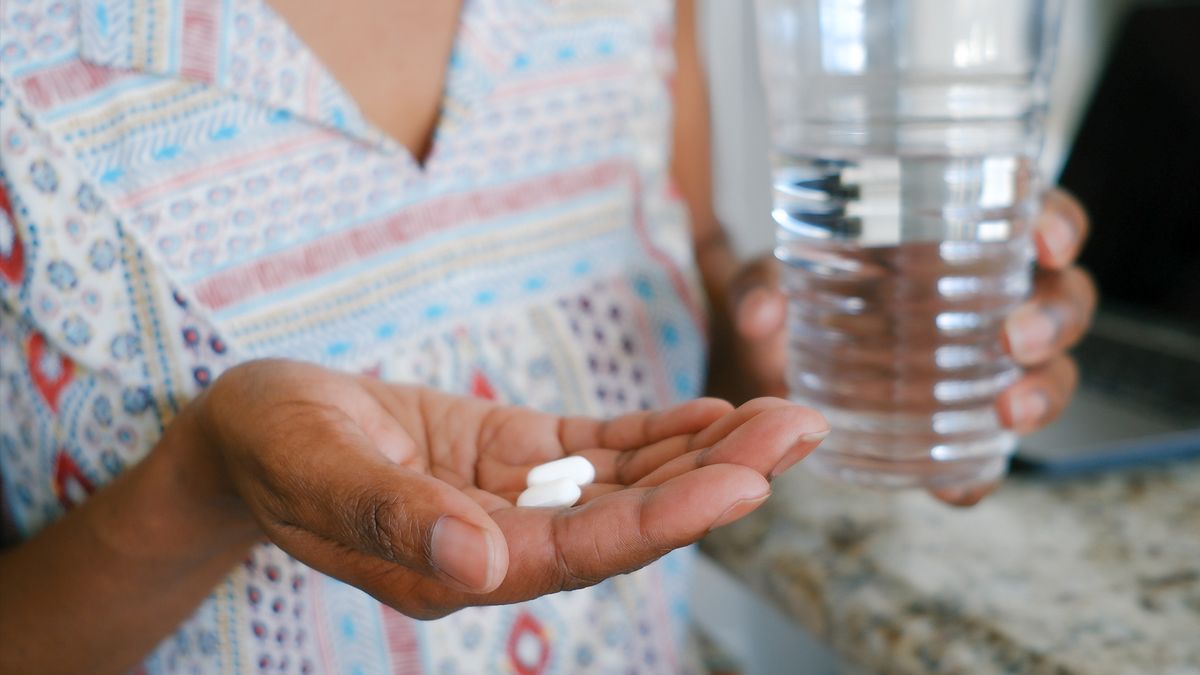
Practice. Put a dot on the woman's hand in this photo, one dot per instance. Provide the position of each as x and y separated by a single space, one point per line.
408 493
1037 334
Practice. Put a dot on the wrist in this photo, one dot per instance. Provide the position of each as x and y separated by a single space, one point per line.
718 265
194 468
180 501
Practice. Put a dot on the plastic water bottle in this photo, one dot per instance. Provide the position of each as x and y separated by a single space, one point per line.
905 137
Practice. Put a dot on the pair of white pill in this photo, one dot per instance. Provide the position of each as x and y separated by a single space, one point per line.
557 484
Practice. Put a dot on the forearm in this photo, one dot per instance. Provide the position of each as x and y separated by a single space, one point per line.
95 591
691 169
718 266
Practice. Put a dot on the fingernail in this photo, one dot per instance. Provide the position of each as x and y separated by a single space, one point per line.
1058 236
950 495
1030 333
739 508
804 445
1027 409
813 437
964 496
463 552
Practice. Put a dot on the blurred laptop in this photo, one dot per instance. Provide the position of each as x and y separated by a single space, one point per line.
1135 164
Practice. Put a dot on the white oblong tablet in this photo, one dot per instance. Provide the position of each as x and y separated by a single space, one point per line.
575 468
555 494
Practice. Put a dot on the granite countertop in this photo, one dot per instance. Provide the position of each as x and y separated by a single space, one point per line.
1095 575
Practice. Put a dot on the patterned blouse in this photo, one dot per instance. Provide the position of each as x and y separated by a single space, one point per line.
184 187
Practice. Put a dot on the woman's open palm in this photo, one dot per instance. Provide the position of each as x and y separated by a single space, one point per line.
408 493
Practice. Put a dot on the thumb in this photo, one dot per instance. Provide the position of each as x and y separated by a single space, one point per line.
759 306
347 494
427 525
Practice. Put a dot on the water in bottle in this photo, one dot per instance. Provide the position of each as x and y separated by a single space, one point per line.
905 137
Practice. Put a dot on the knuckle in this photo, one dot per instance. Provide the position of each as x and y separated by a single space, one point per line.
758 272
767 268
289 496
645 542
374 521
566 576
624 467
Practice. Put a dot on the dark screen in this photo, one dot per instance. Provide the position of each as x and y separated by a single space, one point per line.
1135 166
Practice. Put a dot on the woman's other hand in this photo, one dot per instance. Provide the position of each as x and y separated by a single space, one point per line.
1037 334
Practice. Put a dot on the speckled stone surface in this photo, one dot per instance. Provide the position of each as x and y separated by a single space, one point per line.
1096 575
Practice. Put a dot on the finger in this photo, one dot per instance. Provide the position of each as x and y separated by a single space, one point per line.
420 522
392 584
759 434
552 550
503 467
761 314
759 306
965 496
623 467
1039 397
677 467
725 425
627 467
555 550
632 466
639 429
614 467
763 362
1054 319
506 479
1059 230
587 493
338 487
770 443
596 490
